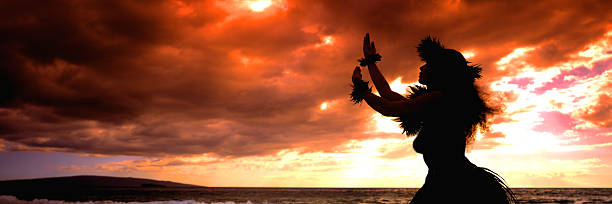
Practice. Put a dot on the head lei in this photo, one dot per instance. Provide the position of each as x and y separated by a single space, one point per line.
432 51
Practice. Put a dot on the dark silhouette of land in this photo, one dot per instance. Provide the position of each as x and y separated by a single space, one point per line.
84 188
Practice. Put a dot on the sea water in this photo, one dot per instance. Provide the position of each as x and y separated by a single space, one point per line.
290 195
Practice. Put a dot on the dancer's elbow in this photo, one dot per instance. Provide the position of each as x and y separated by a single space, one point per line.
386 110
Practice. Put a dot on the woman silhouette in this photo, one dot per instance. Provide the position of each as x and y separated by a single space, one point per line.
444 115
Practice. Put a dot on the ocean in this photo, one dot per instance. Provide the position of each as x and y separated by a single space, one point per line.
285 195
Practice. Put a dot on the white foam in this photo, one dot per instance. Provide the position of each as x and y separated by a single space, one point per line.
8 199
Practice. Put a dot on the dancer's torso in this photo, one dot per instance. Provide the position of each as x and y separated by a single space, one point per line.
442 139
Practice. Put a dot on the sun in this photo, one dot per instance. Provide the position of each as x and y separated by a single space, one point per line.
260 5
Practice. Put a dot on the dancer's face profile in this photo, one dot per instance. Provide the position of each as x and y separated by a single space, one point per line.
424 74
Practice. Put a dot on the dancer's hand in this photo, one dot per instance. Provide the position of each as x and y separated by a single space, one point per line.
368 47
357 74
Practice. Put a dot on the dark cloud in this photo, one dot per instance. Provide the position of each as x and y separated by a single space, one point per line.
183 77
83 59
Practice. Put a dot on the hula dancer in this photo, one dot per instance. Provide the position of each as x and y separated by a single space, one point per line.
444 114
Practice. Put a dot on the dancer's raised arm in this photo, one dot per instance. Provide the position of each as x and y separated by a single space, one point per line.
379 80
386 107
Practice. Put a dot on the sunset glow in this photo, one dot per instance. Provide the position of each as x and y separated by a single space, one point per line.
259 5
386 124
256 93
323 105
468 54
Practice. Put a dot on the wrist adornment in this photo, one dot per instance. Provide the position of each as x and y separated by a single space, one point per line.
370 59
360 89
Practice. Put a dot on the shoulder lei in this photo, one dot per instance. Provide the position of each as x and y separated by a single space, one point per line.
410 124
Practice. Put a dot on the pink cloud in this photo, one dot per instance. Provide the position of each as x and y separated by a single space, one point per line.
521 82
555 122
561 82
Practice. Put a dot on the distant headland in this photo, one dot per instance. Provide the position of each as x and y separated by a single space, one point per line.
84 187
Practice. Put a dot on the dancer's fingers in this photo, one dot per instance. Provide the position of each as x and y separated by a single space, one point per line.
366 43
373 47
356 74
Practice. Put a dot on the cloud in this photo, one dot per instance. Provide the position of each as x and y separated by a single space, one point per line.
358 163
179 77
569 78
555 122
601 113
521 82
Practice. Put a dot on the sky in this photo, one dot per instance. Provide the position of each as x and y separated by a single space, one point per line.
255 93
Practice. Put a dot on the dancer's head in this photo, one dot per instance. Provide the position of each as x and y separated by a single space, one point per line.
444 68
447 69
